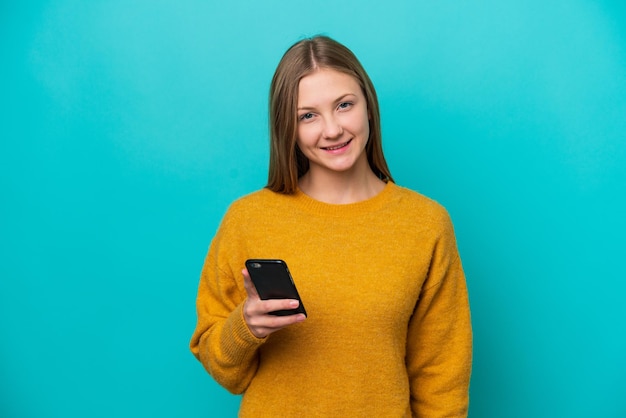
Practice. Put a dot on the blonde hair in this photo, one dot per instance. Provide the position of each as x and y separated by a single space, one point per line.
287 163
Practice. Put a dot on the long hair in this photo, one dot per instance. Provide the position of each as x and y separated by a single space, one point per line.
287 162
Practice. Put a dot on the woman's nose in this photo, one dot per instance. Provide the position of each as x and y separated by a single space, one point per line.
332 128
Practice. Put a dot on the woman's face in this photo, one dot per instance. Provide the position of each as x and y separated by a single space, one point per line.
333 122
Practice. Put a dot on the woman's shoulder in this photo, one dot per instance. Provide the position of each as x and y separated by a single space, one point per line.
261 200
416 199
252 208
417 204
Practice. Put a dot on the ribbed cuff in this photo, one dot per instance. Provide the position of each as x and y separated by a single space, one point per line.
241 343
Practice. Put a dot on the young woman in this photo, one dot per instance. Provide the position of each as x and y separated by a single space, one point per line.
388 330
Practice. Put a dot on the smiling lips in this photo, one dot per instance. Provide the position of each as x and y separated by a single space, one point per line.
336 147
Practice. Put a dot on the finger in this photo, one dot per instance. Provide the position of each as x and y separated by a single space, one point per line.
274 323
264 325
248 285
261 323
271 305
257 307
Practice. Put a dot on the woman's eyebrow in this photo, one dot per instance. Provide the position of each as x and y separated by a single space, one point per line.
344 96
340 98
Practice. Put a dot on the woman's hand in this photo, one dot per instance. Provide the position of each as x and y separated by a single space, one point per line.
256 311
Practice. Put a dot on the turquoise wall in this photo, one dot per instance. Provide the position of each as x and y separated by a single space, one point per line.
127 127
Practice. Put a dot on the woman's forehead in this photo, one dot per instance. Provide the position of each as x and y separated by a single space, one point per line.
325 85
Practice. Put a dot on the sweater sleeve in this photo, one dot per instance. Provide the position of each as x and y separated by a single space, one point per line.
222 341
439 341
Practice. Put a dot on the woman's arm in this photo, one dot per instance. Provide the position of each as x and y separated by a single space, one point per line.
439 342
233 322
222 341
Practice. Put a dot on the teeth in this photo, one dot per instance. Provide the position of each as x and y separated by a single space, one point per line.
336 147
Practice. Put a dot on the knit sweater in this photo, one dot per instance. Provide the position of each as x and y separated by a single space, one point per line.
388 331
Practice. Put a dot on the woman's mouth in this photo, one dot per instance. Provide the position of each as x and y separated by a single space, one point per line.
337 147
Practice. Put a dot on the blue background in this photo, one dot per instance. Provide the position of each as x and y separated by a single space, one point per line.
127 127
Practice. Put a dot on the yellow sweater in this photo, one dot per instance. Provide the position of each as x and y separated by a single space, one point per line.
388 331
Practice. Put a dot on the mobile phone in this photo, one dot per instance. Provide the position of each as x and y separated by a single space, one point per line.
272 280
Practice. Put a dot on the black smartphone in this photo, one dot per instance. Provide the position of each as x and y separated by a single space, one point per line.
273 281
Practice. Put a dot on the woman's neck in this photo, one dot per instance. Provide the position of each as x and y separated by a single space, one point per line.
341 187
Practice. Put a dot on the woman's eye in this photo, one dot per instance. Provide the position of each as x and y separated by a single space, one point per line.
344 105
306 116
